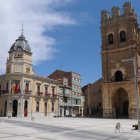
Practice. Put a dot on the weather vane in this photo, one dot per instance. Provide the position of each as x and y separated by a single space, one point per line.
22 27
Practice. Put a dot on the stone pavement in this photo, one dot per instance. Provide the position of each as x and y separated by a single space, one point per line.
75 128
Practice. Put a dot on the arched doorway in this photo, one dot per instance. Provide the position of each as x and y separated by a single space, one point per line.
26 108
5 109
118 76
45 109
120 104
15 105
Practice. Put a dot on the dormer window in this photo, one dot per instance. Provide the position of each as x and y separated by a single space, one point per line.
110 39
122 36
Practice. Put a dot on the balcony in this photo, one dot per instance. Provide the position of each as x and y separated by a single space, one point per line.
39 94
66 95
55 96
47 95
4 91
27 92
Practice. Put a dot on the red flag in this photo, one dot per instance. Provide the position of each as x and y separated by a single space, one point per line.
17 90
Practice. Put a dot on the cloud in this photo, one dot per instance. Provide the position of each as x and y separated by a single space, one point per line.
39 17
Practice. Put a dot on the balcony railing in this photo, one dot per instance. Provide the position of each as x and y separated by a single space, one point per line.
28 92
4 91
39 93
48 95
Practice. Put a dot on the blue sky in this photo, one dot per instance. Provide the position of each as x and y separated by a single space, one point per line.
79 45
60 32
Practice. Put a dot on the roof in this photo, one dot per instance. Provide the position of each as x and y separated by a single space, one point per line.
21 42
44 77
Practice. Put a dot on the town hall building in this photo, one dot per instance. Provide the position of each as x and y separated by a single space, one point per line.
23 93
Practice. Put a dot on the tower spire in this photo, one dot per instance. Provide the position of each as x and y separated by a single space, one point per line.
22 28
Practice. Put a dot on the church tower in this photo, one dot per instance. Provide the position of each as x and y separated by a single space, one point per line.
20 57
120 40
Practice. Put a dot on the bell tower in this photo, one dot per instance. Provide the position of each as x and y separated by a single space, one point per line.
120 40
20 57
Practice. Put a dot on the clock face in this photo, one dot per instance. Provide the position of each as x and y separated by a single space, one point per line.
19 49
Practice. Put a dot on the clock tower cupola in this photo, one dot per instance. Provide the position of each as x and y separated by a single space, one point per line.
20 57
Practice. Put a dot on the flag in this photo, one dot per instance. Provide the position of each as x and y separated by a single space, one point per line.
17 89
12 87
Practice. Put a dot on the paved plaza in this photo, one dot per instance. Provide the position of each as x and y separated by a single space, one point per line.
74 128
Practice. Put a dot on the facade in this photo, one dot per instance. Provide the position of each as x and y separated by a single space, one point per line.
74 81
22 93
93 99
120 40
65 102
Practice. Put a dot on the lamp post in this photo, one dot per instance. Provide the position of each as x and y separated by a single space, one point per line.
136 87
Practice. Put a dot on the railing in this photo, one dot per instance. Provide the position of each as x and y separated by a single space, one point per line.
39 94
4 91
66 95
28 92
123 80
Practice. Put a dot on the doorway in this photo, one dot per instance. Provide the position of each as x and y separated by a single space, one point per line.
26 108
121 104
15 105
5 108
45 109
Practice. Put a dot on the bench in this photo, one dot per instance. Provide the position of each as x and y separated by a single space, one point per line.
136 126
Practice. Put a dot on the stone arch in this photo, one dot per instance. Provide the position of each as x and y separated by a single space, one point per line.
120 103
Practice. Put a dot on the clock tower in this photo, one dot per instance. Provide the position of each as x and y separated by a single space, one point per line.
20 57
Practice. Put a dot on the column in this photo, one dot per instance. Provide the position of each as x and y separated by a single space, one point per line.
9 100
31 97
22 98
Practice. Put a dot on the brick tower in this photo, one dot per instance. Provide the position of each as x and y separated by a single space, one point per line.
120 40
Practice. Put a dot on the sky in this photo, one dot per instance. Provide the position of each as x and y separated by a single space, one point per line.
62 34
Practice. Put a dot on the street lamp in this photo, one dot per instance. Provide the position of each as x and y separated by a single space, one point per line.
136 88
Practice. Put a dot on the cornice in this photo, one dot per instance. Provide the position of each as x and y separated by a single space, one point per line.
118 49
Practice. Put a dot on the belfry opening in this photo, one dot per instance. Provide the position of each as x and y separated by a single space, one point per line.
120 103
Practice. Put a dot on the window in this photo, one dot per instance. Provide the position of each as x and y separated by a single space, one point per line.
69 102
76 79
27 86
73 85
73 78
53 91
61 91
7 86
76 101
28 70
110 39
99 104
38 88
37 106
61 101
76 86
46 89
122 36
8 69
67 92
52 107
118 76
